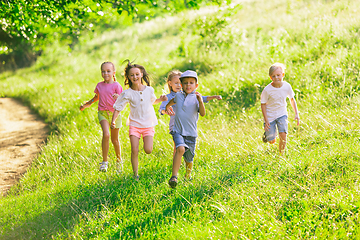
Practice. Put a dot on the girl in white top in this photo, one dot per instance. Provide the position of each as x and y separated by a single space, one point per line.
273 106
142 118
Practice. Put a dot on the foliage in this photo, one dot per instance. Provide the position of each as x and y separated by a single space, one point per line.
241 188
28 26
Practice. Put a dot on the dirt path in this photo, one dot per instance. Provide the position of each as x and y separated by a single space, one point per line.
21 135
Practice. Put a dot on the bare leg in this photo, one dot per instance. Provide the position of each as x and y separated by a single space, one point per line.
177 160
148 144
282 142
189 166
115 141
134 141
174 150
105 139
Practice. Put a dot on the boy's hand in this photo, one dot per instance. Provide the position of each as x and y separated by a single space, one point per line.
163 98
218 97
267 126
198 96
170 111
297 118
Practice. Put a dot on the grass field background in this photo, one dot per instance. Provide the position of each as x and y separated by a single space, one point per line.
242 188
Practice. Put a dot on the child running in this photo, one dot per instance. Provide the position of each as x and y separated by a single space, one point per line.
174 85
106 92
273 106
142 118
188 106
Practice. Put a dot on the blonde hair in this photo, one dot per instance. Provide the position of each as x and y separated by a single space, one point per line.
276 66
172 74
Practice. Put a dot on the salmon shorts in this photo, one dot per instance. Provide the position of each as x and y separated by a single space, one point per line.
137 132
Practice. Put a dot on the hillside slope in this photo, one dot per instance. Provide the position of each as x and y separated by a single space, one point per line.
242 189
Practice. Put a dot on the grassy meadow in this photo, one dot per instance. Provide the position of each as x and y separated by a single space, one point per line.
242 188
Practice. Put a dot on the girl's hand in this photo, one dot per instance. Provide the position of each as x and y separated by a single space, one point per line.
83 106
115 96
297 118
170 111
163 98
112 126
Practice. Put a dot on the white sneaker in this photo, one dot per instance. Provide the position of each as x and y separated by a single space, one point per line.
119 167
103 166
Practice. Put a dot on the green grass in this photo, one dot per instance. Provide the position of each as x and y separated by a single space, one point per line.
242 189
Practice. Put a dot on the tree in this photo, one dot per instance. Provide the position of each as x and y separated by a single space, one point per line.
29 25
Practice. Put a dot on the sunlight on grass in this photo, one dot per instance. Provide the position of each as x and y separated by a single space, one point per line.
242 188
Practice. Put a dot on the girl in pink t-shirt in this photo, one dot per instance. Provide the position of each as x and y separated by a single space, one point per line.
106 92
142 118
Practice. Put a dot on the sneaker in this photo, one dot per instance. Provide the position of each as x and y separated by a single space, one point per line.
103 166
119 167
264 138
173 182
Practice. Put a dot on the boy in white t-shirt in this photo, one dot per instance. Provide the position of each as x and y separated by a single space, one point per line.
273 106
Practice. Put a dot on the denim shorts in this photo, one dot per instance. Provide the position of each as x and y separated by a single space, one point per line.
280 123
107 115
188 142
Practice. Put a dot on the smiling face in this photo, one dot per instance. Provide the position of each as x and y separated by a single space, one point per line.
277 77
189 84
108 72
135 76
175 83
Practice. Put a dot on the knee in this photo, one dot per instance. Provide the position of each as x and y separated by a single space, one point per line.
148 150
106 136
180 150
282 137
134 150
115 141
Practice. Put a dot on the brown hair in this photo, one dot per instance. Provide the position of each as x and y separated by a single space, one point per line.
129 66
112 65
172 74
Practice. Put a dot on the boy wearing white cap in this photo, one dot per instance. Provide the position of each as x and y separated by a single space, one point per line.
189 104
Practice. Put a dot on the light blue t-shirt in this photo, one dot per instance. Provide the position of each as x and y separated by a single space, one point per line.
170 96
187 114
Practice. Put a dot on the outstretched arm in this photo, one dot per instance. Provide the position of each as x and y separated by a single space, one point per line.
263 110
201 104
209 98
88 103
160 99
294 106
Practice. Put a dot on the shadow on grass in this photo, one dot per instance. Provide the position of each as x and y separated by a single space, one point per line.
89 203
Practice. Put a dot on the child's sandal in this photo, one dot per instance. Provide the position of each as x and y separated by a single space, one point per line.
173 182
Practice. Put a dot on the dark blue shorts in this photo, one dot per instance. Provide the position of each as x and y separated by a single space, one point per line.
186 141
